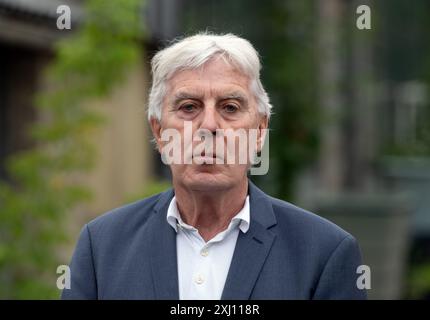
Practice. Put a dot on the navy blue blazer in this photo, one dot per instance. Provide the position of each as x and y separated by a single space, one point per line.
287 253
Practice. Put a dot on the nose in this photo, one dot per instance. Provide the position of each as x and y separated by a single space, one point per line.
209 121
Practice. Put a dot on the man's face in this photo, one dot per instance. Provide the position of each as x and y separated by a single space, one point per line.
210 99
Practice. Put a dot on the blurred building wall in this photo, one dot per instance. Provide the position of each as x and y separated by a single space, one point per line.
28 33
124 151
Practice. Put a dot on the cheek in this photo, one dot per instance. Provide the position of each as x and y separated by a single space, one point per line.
251 121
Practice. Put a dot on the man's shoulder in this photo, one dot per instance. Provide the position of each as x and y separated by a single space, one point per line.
127 216
304 223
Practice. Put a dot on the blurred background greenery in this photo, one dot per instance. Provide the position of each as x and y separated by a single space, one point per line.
350 134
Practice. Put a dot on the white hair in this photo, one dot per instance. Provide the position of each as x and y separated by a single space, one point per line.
192 53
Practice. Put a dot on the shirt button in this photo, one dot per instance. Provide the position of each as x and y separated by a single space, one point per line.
204 252
199 279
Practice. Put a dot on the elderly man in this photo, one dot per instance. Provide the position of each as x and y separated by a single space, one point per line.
214 235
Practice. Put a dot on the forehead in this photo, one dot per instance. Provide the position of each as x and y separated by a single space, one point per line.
214 77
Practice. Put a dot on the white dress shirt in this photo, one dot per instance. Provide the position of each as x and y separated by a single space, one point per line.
203 266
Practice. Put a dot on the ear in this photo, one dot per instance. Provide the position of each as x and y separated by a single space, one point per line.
156 131
262 131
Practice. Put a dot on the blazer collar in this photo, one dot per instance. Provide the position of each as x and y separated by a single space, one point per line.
162 254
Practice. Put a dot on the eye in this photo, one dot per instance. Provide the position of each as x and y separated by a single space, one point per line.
188 108
230 108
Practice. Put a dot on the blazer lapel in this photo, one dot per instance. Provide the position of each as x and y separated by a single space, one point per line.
163 251
251 249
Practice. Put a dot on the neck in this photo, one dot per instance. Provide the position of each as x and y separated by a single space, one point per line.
210 211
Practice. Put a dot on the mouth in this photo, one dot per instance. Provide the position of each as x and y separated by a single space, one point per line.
209 158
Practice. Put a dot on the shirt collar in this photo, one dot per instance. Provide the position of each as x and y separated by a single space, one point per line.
242 218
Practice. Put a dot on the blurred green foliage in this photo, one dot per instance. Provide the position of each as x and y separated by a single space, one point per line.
42 187
419 282
402 57
151 188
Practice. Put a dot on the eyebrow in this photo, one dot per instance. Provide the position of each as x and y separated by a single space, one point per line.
180 96
235 95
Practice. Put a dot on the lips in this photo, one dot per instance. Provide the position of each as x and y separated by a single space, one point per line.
207 158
